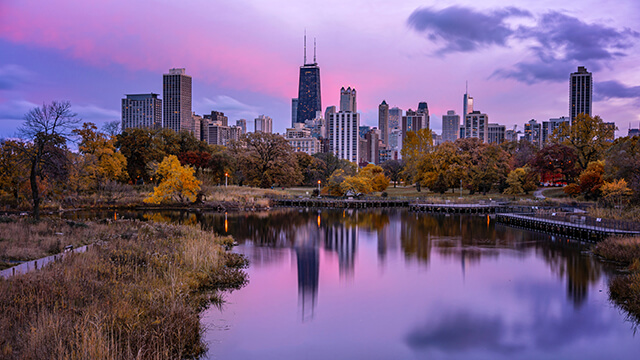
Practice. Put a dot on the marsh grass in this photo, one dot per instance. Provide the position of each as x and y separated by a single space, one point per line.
135 296
241 196
627 213
21 239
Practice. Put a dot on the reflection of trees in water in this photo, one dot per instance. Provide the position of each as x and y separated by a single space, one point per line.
565 259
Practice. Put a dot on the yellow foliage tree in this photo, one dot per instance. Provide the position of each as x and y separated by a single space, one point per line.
102 161
615 192
356 185
375 175
178 182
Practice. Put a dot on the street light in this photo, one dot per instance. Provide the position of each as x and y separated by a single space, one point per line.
318 187
226 179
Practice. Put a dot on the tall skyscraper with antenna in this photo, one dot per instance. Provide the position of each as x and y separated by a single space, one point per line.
309 101
467 104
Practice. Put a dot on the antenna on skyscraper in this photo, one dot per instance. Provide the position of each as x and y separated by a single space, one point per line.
314 50
305 46
466 86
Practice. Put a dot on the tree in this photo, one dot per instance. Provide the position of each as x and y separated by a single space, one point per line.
622 161
393 170
334 163
589 136
415 146
197 159
616 192
591 179
333 184
12 171
489 169
139 147
521 152
102 160
46 129
557 160
177 182
267 159
312 168
521 180
374 175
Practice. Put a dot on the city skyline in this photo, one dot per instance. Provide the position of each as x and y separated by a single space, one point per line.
517 68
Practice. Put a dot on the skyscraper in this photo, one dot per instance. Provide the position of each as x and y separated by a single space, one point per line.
176 104
476 125
264 124
142 111
348 100
309 101
294 111
395 118
423 108
467 103
242 124
383 122
450 126
343 135
413 121
580 92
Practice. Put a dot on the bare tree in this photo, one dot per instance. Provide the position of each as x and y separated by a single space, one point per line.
112 128
46 131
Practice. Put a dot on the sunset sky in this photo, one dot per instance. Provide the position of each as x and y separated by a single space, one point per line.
244 55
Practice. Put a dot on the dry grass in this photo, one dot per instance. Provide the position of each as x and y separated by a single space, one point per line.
629 213
22 240
242 196
622 250
136 296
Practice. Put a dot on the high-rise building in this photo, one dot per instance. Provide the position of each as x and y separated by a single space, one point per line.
372 139
197 125
309 100
300 139
330 110
363 130
383 122
423 108
549 127
450 126
294 111
395 140
176 104
413 121
496 133
395 118
142 111
264 124
348 99
343 135
467 103
242 124
222 135
476 126
217 118
580 92
533 132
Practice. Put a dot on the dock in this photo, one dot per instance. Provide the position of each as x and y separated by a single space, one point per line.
339 203
574 226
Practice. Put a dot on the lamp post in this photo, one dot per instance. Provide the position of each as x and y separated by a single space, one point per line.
226 179
318 187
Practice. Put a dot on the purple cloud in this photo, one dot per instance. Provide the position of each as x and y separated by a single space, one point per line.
614 89
464 29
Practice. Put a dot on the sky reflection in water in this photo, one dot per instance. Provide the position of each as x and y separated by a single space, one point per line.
397 285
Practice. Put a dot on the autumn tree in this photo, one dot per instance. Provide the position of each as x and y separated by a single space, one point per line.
46 130
333 183
521 180
102 160
489 169
266 160
591 180
177 183
393 170
312 168
333 163
616 192
137 146
556 160
520 152
589 136
415 146
622 161
196 159
13 172
374 175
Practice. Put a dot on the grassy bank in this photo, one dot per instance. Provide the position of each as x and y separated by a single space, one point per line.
134 295
624 289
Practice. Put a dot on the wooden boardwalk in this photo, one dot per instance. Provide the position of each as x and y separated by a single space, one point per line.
492 208
340 203
577 229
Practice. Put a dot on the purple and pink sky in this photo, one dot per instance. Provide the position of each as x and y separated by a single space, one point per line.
244 55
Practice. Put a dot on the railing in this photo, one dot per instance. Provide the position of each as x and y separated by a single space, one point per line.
580 219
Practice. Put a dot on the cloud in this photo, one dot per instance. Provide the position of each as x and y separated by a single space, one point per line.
557 43
614 89
15 109
96 114
464 29
12 75
233 109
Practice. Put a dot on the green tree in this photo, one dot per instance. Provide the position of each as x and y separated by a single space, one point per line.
139 149
589 136
47 129
177 183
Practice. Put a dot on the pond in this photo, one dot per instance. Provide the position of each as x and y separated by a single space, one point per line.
390 284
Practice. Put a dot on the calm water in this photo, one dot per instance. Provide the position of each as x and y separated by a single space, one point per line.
397 285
